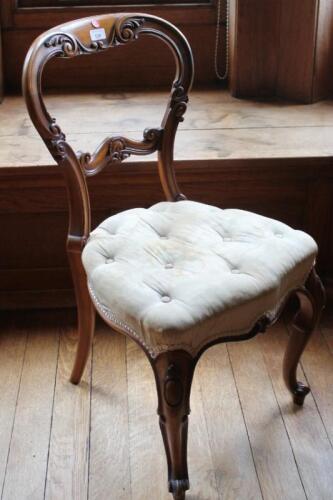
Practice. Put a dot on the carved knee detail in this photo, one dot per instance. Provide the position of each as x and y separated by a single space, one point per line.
174 373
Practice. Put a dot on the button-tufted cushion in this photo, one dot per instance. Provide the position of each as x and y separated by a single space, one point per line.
177 275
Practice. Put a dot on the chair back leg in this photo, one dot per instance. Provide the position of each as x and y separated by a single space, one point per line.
311 303
85 316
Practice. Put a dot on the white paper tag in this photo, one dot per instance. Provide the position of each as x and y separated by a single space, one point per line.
98 34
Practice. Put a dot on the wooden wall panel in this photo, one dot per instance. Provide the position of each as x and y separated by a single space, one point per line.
145 63
323 84
282 48
254 26
296 49
1 69
33 212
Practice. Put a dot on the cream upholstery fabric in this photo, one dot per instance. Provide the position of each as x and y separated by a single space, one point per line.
177 275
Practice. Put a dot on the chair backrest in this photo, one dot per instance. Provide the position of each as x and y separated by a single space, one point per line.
84 37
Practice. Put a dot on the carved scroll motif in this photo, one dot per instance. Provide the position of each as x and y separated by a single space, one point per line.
117 149
124 31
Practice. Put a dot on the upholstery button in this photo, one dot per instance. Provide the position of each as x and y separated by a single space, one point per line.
164 237
168 266
165 298
279 235
227 239
110 260
235 271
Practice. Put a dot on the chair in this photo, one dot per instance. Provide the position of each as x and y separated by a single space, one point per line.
179 276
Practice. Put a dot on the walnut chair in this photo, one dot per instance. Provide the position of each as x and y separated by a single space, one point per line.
179 276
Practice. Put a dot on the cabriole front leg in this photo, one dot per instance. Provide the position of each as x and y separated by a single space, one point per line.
311 303
173 373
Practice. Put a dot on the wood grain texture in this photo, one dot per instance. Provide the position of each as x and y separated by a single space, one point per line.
297 46
2 83
308 437
231 452
216 126
318 364
109 450
12 350
240 409
323 85
21 26
255 31
273 457
27 459
281 48
145 442
326 328
67 472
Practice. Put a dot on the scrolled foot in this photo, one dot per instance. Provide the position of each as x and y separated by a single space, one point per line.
178 488
300 393
311 299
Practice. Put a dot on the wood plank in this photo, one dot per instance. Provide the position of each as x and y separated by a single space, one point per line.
323 86
232 458
12 349
273 456
67 472
147 457
254 52
109 450
297 42
257 143
202 471
148 59
31 433
317 362
229 127
307 434
2 84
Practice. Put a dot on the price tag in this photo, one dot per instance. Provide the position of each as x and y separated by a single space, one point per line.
98 34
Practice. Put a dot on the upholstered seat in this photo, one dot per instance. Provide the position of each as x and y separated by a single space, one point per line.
183 274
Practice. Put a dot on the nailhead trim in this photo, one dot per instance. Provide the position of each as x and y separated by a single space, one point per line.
110 316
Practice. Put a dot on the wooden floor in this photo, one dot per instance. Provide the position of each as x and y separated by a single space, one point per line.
216 126
101 440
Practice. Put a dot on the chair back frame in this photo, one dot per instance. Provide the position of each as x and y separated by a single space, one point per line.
85 37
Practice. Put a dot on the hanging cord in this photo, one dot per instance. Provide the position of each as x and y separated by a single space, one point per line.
217 40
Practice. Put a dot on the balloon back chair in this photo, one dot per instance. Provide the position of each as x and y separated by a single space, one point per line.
179 276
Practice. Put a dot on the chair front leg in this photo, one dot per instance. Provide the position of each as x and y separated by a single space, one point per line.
311 303
173 374
86 316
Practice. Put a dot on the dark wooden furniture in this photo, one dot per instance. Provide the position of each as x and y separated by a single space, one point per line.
173 369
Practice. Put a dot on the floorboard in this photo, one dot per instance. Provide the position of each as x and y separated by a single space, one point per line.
28 452
109 450
273 455
67 473
307 434
101 440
